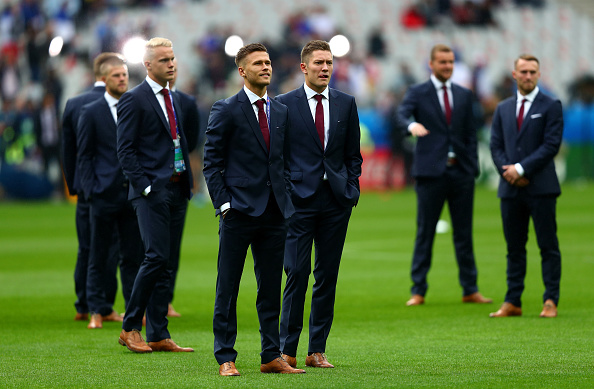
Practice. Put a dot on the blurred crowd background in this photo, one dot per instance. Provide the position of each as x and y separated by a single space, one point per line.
47 48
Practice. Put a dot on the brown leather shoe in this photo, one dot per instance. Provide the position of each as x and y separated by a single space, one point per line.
476 298
292 361
228 369
415 299
133 340
96 321
81 317
507 309
113 316
279 365
171 312
318 360
169 345
549 309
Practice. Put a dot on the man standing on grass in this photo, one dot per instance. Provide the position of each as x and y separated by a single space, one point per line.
325 161
526 135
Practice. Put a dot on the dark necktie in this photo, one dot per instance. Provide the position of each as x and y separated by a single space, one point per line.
170 114
446 103
521 115
320 118
263 123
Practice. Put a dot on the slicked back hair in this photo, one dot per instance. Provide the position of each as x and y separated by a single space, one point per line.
247 50
312 46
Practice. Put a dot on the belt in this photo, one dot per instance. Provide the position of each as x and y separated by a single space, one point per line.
175 178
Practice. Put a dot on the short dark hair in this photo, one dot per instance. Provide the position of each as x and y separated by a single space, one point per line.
312 46
526 57
247 50
440 48
102 58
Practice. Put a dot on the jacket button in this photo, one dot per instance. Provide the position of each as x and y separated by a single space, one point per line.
268 183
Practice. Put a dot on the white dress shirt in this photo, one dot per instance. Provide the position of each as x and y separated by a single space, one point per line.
529 100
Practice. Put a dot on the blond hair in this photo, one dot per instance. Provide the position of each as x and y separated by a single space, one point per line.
152 44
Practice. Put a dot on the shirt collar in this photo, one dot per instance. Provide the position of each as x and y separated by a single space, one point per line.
155 85
254 97
310 93
438 84
99 83
530 96
111 101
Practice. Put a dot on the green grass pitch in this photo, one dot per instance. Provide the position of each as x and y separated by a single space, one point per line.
376 341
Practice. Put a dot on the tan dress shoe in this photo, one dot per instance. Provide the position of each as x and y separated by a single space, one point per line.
228 369
292 361
169 345
133 340
81 317
113 316
415 299
171 312
507 309
476 298
281 366
318 360
95 322
549 309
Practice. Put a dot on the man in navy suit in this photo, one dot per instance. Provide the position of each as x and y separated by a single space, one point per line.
526 134
153 152
105 187
69 165
325 168
444 167
248 181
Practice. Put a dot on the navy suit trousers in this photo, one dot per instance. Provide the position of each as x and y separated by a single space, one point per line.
457 188
161 217
266 235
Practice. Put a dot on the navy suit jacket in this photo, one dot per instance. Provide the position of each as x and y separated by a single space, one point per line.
69 147
145 146
431 153
341 160
237 166
98 166
191 117
534 146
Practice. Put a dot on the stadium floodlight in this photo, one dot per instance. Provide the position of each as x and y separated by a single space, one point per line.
133 50
340 46
232 45
55 47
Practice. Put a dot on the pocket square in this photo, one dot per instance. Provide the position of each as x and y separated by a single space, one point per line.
536 115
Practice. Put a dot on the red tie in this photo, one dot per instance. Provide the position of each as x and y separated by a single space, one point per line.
170 114
320 118
263 123
521 115
446 103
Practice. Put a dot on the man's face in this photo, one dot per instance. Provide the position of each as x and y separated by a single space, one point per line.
318 70
442 65
116 81
161 66
256 69
526 75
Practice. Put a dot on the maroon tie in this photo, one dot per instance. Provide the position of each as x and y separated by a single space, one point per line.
320 118
521 115
446 103
263 123
170 114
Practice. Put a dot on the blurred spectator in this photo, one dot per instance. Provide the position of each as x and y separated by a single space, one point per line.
376 45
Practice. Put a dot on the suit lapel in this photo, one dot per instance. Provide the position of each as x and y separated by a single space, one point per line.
152 99
248 111
432 92
534 107
334 105
305 112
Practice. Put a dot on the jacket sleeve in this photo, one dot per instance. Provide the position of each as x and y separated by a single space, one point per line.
215 152
85 140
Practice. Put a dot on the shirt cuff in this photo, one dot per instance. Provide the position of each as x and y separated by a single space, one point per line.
410 126
519 169
225 207
146 191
